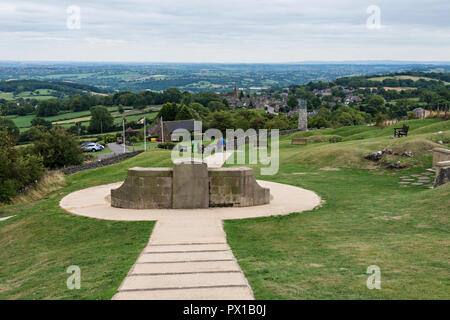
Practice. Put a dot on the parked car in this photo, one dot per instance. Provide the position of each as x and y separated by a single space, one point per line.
92 147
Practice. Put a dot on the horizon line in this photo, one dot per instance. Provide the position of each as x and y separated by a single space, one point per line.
237 62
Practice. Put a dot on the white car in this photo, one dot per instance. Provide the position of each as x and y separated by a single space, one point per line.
92 147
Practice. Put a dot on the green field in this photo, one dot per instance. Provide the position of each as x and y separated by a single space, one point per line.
40 94
367 219
69 119
413 78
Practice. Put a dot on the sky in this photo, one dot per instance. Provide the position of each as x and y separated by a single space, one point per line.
230 31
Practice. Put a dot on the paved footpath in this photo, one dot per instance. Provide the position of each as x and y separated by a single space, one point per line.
187 256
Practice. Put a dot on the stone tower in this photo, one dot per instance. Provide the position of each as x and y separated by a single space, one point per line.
303 119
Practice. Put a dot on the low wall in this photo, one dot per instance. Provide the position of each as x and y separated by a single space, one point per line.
101 163
439 155
235 187
189 186
144 188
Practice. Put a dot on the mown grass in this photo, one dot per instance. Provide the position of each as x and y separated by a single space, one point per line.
43 240
367 219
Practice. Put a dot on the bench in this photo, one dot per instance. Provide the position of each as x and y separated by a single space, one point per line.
400 132
299 141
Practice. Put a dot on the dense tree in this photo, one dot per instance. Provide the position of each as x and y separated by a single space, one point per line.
375 105
184 114
10 127
101 120
168 112
17 168
58 148
48 108
41 122
172 95
292 102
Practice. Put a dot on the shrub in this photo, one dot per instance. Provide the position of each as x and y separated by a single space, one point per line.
166 145
58 149
18 168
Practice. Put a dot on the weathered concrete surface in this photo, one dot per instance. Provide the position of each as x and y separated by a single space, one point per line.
443 173
187 257
235 187
144 188
94 202
439 155
190 185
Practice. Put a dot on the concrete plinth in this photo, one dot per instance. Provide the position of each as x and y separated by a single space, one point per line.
190 185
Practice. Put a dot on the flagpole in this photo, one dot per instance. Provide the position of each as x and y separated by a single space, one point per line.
145 133
124 139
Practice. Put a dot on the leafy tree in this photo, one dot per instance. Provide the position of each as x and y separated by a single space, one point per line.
216 106
375 105
168 112
292 102
10 127
41 122
101 120
184 114
48 108
17 168
221 120
172 95
58 148
120 109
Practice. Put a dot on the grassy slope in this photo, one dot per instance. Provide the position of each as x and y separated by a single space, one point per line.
42 241
368 219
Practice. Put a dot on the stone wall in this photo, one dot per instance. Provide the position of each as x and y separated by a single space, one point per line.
101 163
439 155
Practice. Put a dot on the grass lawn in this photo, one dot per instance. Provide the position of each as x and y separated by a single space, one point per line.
42 241
367 219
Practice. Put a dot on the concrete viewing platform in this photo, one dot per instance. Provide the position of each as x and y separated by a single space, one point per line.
187 256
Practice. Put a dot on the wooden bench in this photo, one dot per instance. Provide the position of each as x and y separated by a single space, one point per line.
399 132
299 141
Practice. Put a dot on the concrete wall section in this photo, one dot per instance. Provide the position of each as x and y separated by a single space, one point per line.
439 155
145 188
235 187
190 185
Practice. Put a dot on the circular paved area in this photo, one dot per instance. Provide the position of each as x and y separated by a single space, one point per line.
94 203
187 257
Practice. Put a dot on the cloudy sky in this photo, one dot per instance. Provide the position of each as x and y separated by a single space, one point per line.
225 30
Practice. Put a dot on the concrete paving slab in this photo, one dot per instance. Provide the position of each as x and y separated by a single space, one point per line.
185 267
185 256
220 293
179 281
186 248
